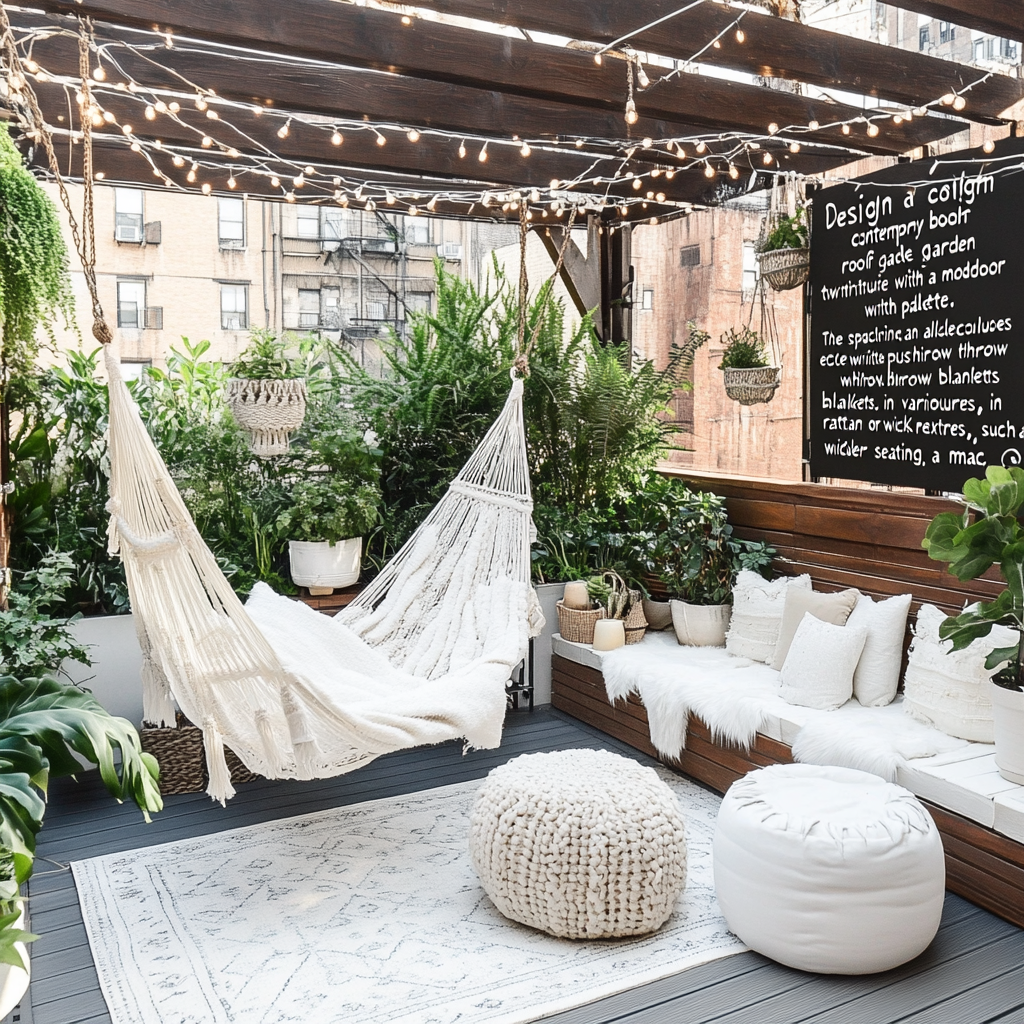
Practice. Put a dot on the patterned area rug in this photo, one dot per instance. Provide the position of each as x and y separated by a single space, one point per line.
367 913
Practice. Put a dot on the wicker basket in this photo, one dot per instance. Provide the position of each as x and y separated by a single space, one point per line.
269 410
785 268
636 622
752 385
179 752
578 626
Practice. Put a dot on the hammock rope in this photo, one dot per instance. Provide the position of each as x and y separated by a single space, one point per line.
421 656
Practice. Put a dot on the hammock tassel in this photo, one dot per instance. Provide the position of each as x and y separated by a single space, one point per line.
220 788
304 747
271 753
157 705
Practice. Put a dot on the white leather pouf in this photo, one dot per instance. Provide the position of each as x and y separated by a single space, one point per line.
828 869
582 844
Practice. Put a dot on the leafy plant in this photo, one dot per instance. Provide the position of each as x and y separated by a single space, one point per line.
611 592
266 357
744 349
32 641
788 233
329 508
35 287
986 533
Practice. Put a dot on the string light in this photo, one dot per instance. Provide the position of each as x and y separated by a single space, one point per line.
412 135
150 113
709 171
308 169
579 142
462 150
200 103
637 183
298 181
598 59
525 150
191 176
99 73
207 188
432 205
813 126
289 197
773 128
406 20
178 161
741 36
275 181
206 142
872 129
231 182
641 75
282 132
213 115
766 159
631 116
794 147
701 147
734 171
482 155
846 129
959 103
381 141
389 199
647 143
717 44
989 146
126 128
108 116
174 106
337 138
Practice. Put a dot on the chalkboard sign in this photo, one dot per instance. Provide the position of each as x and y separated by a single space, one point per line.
917 321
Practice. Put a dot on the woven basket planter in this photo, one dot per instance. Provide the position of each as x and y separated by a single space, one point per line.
636 621
270 410
179 752
752 385
785 268
577 626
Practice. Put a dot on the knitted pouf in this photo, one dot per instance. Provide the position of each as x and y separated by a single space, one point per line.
582 844
828 869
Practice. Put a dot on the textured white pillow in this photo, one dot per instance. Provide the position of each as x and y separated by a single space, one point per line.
878 672
819 668
757 606
950 690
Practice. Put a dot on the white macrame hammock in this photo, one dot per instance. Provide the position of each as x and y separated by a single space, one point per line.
421 656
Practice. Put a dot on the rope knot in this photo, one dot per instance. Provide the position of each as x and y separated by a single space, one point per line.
101 332
522 365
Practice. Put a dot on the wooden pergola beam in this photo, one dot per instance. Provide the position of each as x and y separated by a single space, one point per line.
997 17
377 40
773 47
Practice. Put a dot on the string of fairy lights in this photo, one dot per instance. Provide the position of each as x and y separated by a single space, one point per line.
610 180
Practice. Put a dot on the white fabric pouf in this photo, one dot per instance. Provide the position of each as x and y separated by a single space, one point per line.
582 844
828 869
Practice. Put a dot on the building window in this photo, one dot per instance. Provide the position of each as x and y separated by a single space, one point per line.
418 302
417 231
689 256
924 37
131 303
308 221
128 215
376 310
231 223
234 307
309 308
134 370
330 308
647 300
947 32
750 267
1008 49
334 224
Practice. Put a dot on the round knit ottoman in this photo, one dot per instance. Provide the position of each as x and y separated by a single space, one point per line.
828 869
582 844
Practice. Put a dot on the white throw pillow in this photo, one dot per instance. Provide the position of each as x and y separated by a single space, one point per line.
757 606
819 668
878 673
834 608
949 689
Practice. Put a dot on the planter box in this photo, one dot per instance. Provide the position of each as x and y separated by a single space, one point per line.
549 595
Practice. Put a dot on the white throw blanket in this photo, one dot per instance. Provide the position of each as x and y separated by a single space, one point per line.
736 698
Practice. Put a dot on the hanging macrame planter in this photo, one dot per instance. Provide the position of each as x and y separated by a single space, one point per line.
269 410
752 385
782 261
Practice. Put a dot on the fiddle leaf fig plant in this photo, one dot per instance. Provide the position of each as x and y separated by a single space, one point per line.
988 532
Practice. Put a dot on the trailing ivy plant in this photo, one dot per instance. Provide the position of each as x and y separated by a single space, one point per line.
35 287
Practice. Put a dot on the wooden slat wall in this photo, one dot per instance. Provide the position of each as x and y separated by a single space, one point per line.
981 865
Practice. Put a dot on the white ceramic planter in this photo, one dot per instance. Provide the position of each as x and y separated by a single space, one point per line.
701 625
1008 715
549 594
115 677
14 980
658 614
324 566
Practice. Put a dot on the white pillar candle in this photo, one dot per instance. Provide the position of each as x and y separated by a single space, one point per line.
609 634
576 595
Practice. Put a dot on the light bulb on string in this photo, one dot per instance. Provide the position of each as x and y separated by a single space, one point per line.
126 128
201 104
191 176
709 171
897 119
660 197
178 161
282 132
872 129
150 113
337 138
734 171
206 142
637 183
99 73
579 143
207 188
108 116
598 59
412 135
381 141
158 144
389 199
766 159
794 147
670 173
624 210
647 143
275 181
813 126
135 147
482 155
233 153
631 116
432 205
773 128
641 76
232 183
989 146
413 211
462 150
741 36
959 103
298 181
701 146
213 115
289 197
653 221
680 152
947 99
534 195
655 172
309 169
846 129
650 195
370 205
160 107
717 44
173 107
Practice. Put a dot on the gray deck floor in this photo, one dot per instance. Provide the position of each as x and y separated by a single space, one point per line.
972 973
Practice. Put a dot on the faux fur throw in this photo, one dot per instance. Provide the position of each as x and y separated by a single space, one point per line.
736 698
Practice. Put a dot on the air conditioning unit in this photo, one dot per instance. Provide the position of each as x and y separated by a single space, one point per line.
154 232
154 318
128 233
450 251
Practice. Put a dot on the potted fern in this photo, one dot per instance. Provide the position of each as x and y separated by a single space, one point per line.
986 533
266 394
749 378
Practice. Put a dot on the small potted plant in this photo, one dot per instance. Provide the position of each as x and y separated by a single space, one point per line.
783 253
695 558
749 378
609 591
266 394
986 533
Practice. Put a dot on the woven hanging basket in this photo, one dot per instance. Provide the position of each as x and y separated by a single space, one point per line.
577 626
752 385
179 752
635 622
785 268
270 410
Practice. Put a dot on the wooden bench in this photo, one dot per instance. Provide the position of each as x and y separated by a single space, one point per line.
868 539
